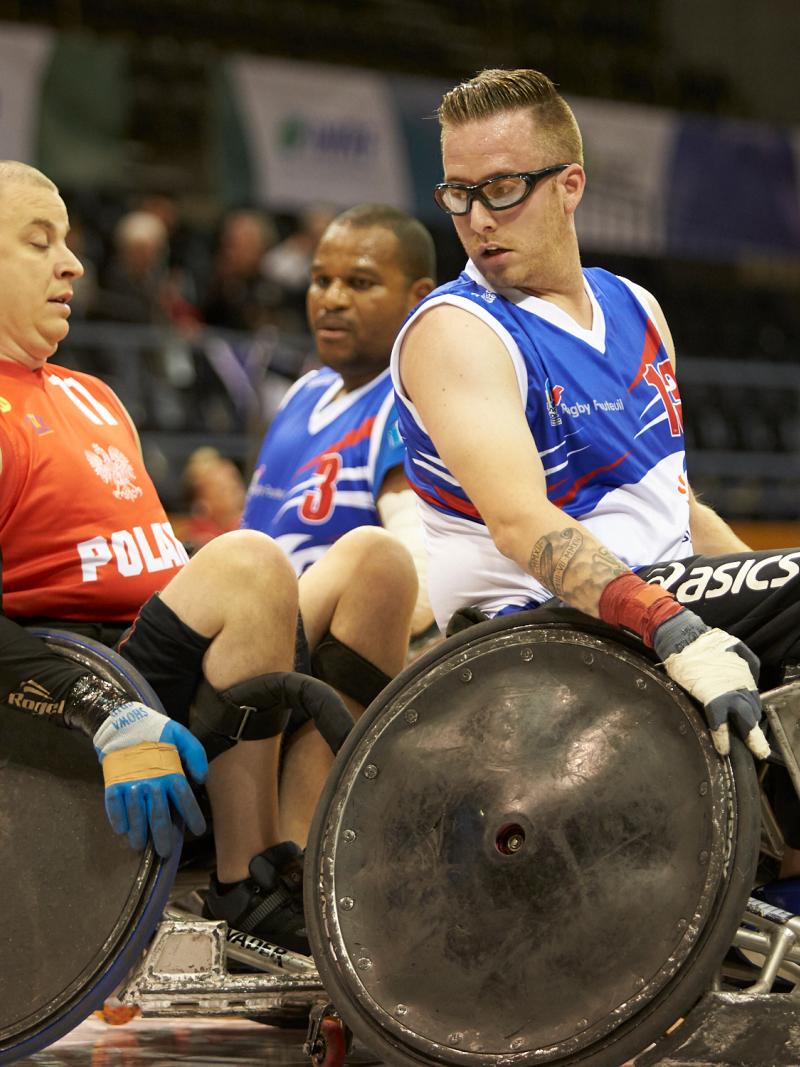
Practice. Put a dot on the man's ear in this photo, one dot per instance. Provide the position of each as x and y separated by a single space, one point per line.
419 290
573 182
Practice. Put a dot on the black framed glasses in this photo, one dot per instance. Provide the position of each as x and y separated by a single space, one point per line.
498 194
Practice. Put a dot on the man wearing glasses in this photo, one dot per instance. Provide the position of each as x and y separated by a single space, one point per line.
543 423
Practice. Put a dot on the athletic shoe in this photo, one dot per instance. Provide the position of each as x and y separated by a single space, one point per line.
268 904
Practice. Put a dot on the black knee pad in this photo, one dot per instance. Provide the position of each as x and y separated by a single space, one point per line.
336 663
260 708
246 712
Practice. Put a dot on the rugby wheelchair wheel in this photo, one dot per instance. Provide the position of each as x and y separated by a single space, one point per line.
79 905
528 852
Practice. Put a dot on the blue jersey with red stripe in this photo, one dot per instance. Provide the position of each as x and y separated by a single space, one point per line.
322 464
605 414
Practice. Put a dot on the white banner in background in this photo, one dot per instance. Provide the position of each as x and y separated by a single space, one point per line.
320 134
627 151
24 52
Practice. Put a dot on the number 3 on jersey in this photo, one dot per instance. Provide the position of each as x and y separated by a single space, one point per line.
318 502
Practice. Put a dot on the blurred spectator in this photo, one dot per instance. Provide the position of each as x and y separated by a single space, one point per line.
189 251
137 276
288 264
216 493
240 297
138 285
165 207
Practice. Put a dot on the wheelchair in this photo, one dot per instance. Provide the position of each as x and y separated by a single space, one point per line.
528 852
86 918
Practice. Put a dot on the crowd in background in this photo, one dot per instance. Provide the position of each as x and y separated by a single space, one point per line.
187 320
146 265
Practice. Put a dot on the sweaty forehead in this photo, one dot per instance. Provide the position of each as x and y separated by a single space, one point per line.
22 203
357 247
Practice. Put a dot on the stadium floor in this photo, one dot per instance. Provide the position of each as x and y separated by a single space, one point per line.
204 1042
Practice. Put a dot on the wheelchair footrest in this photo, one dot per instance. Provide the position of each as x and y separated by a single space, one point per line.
731 1029
184 972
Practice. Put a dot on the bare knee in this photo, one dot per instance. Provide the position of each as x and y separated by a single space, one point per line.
243 558
380 565
238 574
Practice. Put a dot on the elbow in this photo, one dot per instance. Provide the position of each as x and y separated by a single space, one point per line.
507 539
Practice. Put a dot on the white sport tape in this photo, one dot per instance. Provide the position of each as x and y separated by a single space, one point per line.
707 668
399 515
755 741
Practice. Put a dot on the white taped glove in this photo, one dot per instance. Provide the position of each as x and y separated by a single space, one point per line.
718 670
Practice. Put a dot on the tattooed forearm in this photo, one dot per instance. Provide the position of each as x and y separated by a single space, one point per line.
574 566
604 557
552 555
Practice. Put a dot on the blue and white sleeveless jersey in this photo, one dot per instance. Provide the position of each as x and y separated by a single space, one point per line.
605 413
322 464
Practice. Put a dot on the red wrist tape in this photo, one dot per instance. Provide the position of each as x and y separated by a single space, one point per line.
639 607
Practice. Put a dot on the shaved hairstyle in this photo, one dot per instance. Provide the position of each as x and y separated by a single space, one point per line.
416 255
493 91
13 171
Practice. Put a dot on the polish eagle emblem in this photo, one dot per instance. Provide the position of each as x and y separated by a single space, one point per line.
113 466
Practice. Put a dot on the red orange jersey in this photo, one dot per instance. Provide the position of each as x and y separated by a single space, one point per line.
82 531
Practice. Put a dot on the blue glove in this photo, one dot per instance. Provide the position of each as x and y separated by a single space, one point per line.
720 672
143 753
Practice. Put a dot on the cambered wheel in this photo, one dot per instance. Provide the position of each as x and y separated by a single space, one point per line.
79 904
528 852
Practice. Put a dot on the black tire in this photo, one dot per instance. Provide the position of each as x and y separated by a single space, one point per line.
736 783
91 916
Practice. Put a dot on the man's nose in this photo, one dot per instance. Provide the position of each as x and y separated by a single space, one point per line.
69 266
336 294
481 218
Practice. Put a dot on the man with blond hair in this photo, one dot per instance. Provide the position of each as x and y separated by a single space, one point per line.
539 405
